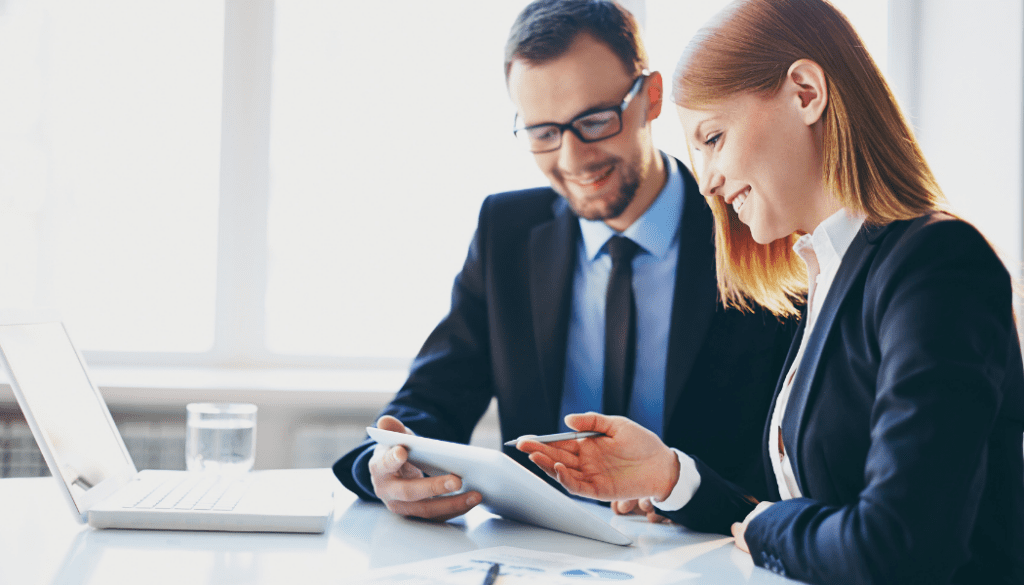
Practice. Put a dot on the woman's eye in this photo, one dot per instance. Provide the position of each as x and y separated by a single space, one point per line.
713 140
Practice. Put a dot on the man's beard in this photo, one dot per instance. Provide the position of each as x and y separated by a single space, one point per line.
617 205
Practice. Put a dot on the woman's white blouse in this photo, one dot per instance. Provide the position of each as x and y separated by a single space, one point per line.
823 252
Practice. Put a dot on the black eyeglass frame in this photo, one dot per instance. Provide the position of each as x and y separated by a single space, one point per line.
570 126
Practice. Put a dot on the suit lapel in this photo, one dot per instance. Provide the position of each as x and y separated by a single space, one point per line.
695 286
854 262
553 249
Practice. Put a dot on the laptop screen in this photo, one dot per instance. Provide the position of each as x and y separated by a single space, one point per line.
67 413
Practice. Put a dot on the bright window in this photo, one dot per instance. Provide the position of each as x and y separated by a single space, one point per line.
109 148
379 163
124 189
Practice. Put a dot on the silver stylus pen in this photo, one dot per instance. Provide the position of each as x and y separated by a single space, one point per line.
555 437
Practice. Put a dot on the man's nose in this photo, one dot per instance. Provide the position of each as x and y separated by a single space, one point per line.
572 155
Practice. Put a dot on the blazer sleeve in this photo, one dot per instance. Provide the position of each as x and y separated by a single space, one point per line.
938 308
449 386
715 505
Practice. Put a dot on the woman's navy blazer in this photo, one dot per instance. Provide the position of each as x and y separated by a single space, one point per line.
904 426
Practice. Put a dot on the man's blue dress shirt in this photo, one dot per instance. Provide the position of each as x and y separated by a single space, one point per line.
654 278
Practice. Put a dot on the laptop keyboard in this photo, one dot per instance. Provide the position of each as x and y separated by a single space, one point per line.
191 492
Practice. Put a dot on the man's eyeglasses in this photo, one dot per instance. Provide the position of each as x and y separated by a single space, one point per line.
588 127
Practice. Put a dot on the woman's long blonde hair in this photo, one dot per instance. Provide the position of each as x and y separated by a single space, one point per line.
872 162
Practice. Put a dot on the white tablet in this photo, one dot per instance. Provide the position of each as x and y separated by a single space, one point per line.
509 489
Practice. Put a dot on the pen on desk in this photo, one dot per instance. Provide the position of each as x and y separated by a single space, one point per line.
555 437
492 574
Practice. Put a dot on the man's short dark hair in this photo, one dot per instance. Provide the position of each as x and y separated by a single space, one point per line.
545 29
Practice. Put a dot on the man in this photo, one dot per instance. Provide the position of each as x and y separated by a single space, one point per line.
528 316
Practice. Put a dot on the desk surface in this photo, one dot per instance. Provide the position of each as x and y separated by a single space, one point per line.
40 543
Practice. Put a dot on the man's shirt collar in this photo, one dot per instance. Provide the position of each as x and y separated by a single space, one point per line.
655 230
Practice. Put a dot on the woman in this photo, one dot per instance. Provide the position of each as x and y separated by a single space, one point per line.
894 443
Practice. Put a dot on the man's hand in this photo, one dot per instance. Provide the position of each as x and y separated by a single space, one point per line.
406 491
641 507
628 463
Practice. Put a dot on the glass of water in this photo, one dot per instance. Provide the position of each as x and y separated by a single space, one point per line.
220 437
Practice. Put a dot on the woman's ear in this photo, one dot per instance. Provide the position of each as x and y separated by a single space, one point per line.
806 82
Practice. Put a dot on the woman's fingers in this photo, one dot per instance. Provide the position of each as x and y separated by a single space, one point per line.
623 507
567 452
738 530
545 463
590 421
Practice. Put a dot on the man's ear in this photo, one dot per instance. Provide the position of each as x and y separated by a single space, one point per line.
806 82
655 95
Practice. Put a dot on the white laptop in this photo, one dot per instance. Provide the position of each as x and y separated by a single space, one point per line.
87 456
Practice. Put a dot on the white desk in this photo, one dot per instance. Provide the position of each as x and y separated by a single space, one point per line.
40 543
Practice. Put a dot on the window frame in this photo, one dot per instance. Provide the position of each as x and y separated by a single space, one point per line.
244 203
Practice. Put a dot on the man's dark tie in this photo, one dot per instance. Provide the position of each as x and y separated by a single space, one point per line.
620 327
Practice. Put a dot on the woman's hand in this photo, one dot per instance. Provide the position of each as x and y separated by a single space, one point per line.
739 529
641 507
629 463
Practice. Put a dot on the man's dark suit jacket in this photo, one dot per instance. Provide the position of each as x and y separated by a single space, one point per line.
904 423
506 336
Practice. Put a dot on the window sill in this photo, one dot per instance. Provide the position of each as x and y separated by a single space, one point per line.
155 387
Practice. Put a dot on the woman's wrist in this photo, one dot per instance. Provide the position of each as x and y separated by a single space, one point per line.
669 463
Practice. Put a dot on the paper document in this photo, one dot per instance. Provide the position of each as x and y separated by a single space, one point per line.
520 566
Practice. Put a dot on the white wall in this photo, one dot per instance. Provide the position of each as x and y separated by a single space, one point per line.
956 66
